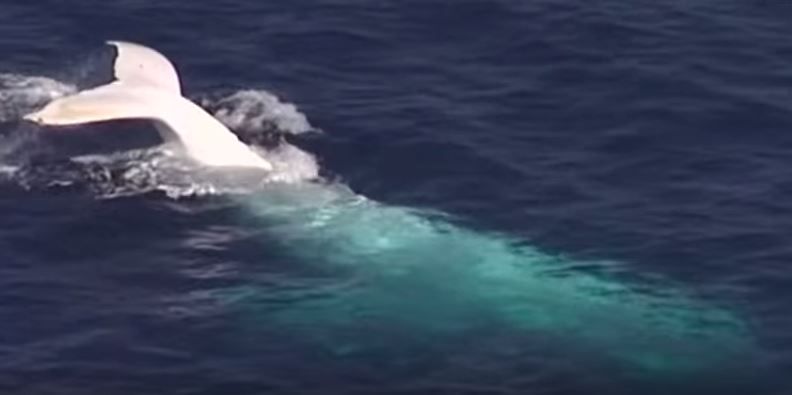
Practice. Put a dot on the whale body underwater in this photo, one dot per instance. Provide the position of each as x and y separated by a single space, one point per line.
417 270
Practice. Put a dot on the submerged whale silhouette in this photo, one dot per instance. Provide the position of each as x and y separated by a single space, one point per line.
421 272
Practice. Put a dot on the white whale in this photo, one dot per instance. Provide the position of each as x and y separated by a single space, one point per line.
417 270
146 86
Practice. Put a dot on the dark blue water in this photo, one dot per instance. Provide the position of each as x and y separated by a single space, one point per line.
657 134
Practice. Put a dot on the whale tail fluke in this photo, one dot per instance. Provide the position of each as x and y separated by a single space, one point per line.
134 67
146 86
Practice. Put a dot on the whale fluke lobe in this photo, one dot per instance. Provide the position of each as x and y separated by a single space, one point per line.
147 86
138 65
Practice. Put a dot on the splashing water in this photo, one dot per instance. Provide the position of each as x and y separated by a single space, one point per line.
20 94
257 110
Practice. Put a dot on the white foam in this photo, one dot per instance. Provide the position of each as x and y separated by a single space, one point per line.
291 164
258 110
20 94
164 169
8 170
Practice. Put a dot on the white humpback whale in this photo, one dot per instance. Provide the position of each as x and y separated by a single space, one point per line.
146 86
421 271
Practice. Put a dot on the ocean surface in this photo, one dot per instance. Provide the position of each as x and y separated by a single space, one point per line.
470 197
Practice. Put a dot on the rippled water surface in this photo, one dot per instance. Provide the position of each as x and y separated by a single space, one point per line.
470 197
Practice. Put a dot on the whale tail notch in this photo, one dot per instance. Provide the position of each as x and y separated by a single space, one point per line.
146 86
